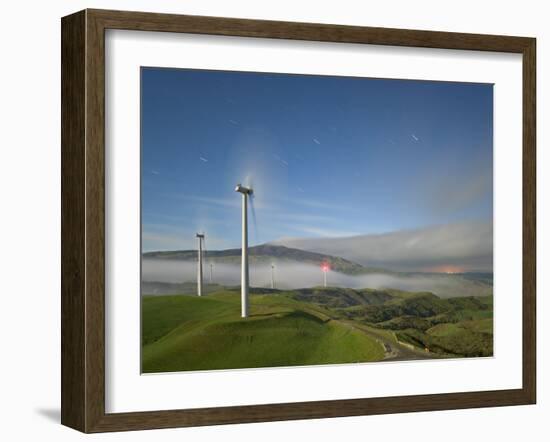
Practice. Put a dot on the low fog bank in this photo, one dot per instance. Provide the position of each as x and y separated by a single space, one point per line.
467 245
294 275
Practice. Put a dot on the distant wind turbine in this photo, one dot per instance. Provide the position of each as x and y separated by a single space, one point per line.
246 193
325 268
200 237
272 276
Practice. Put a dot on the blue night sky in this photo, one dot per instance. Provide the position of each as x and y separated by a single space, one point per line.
327 156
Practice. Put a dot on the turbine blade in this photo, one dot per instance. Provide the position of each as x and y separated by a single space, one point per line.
249 182
254 220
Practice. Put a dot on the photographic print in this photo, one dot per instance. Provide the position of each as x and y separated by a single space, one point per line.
300 220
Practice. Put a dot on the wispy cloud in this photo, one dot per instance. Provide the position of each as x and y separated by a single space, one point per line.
468 245
452 193
223 202
324 232
172 237
229 202
283 215
163 241
316 204
455 188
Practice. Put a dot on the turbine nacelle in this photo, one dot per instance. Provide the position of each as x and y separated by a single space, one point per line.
244 190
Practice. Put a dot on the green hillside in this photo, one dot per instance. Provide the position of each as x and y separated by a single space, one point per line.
309 327
453 327
189 333
468 338
450 327
341 297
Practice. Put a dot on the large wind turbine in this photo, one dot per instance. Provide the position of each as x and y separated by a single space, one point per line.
200 237
246 192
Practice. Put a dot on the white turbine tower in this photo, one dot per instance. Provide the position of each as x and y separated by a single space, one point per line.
200 237
211 265
325 267
272 276
246 192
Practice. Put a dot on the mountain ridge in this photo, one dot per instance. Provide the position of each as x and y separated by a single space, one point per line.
270 252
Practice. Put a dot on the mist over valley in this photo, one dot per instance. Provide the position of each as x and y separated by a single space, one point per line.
295 269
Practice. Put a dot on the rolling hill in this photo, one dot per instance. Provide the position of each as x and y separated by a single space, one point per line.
267 253
190 333
309 327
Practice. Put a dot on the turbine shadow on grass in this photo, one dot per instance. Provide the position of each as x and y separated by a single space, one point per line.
297 314
260 315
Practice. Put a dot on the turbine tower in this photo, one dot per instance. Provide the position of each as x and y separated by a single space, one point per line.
325 268
211 265
200 237
246 192
272 276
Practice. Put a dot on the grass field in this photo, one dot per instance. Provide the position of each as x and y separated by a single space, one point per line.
189 333
309 326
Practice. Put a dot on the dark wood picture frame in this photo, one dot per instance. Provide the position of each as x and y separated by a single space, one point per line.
83 220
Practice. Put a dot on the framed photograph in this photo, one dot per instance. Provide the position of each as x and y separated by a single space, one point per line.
270 220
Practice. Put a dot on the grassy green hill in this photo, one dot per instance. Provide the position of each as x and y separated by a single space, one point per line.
455 326
189 333
461 326
466 338
309 327
341 297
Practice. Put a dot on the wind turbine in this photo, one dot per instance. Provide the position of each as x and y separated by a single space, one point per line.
272 276
211 265
246 193
325 267
200 237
